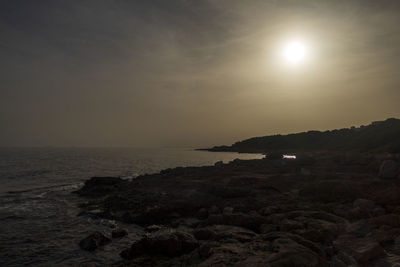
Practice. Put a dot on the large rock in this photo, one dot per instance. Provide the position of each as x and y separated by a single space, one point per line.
360 228
389 169
365 208
316 248
364 204
118 233
94 241
362 249
392 220
169 244
100 186
290 253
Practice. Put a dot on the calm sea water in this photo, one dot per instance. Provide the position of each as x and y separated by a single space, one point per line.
39 225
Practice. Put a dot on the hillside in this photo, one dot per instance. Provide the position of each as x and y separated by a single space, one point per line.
377 136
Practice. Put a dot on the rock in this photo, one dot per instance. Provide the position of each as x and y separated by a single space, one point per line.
364 208
269 210
342 259
316 248
214 210
289 253
153 228
384 235
332 190
118 233
204 234
214 219
360 228
168 244
392 220
227 210
387 196
361 249
288 225
364 204
248 221
173 244
267 228
224 232
228 232
227 254
389 169
98 186
258 213
205 249
94 241
202 214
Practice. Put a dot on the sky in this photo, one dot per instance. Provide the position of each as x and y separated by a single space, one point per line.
192 73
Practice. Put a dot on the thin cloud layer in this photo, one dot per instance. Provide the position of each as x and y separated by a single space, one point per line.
191 73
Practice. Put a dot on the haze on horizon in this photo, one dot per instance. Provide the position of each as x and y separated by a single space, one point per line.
192 73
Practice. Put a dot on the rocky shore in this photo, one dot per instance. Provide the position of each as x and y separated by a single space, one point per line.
320 209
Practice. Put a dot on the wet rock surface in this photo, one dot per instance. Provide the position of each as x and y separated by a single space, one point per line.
344 211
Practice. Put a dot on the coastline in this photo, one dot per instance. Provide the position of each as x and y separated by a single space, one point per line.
321 209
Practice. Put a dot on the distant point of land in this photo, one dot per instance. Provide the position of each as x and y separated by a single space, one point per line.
379 136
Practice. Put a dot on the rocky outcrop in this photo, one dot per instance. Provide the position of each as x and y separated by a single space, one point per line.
267 212
93 241
118 233
168 244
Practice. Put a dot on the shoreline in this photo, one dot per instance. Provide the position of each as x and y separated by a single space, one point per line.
321 209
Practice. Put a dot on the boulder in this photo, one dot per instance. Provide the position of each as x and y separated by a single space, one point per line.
118 233
342 259
364 204
171 244
98 186
290 253
214 210
387 196
389 169
267 228
202 214
360 228
365 208
227 210
362 249
94 241
384 235
288 225
392 220
316 248
249 221
266 211
204 234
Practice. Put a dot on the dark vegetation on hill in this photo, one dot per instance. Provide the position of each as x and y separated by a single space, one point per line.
378 136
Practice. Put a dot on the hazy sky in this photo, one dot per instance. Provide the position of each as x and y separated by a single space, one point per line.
192 73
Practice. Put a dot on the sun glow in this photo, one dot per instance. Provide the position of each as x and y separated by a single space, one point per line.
295 52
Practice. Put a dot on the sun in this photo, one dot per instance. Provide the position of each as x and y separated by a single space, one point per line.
295 52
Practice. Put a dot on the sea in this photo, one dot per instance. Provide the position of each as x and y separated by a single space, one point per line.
39 222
